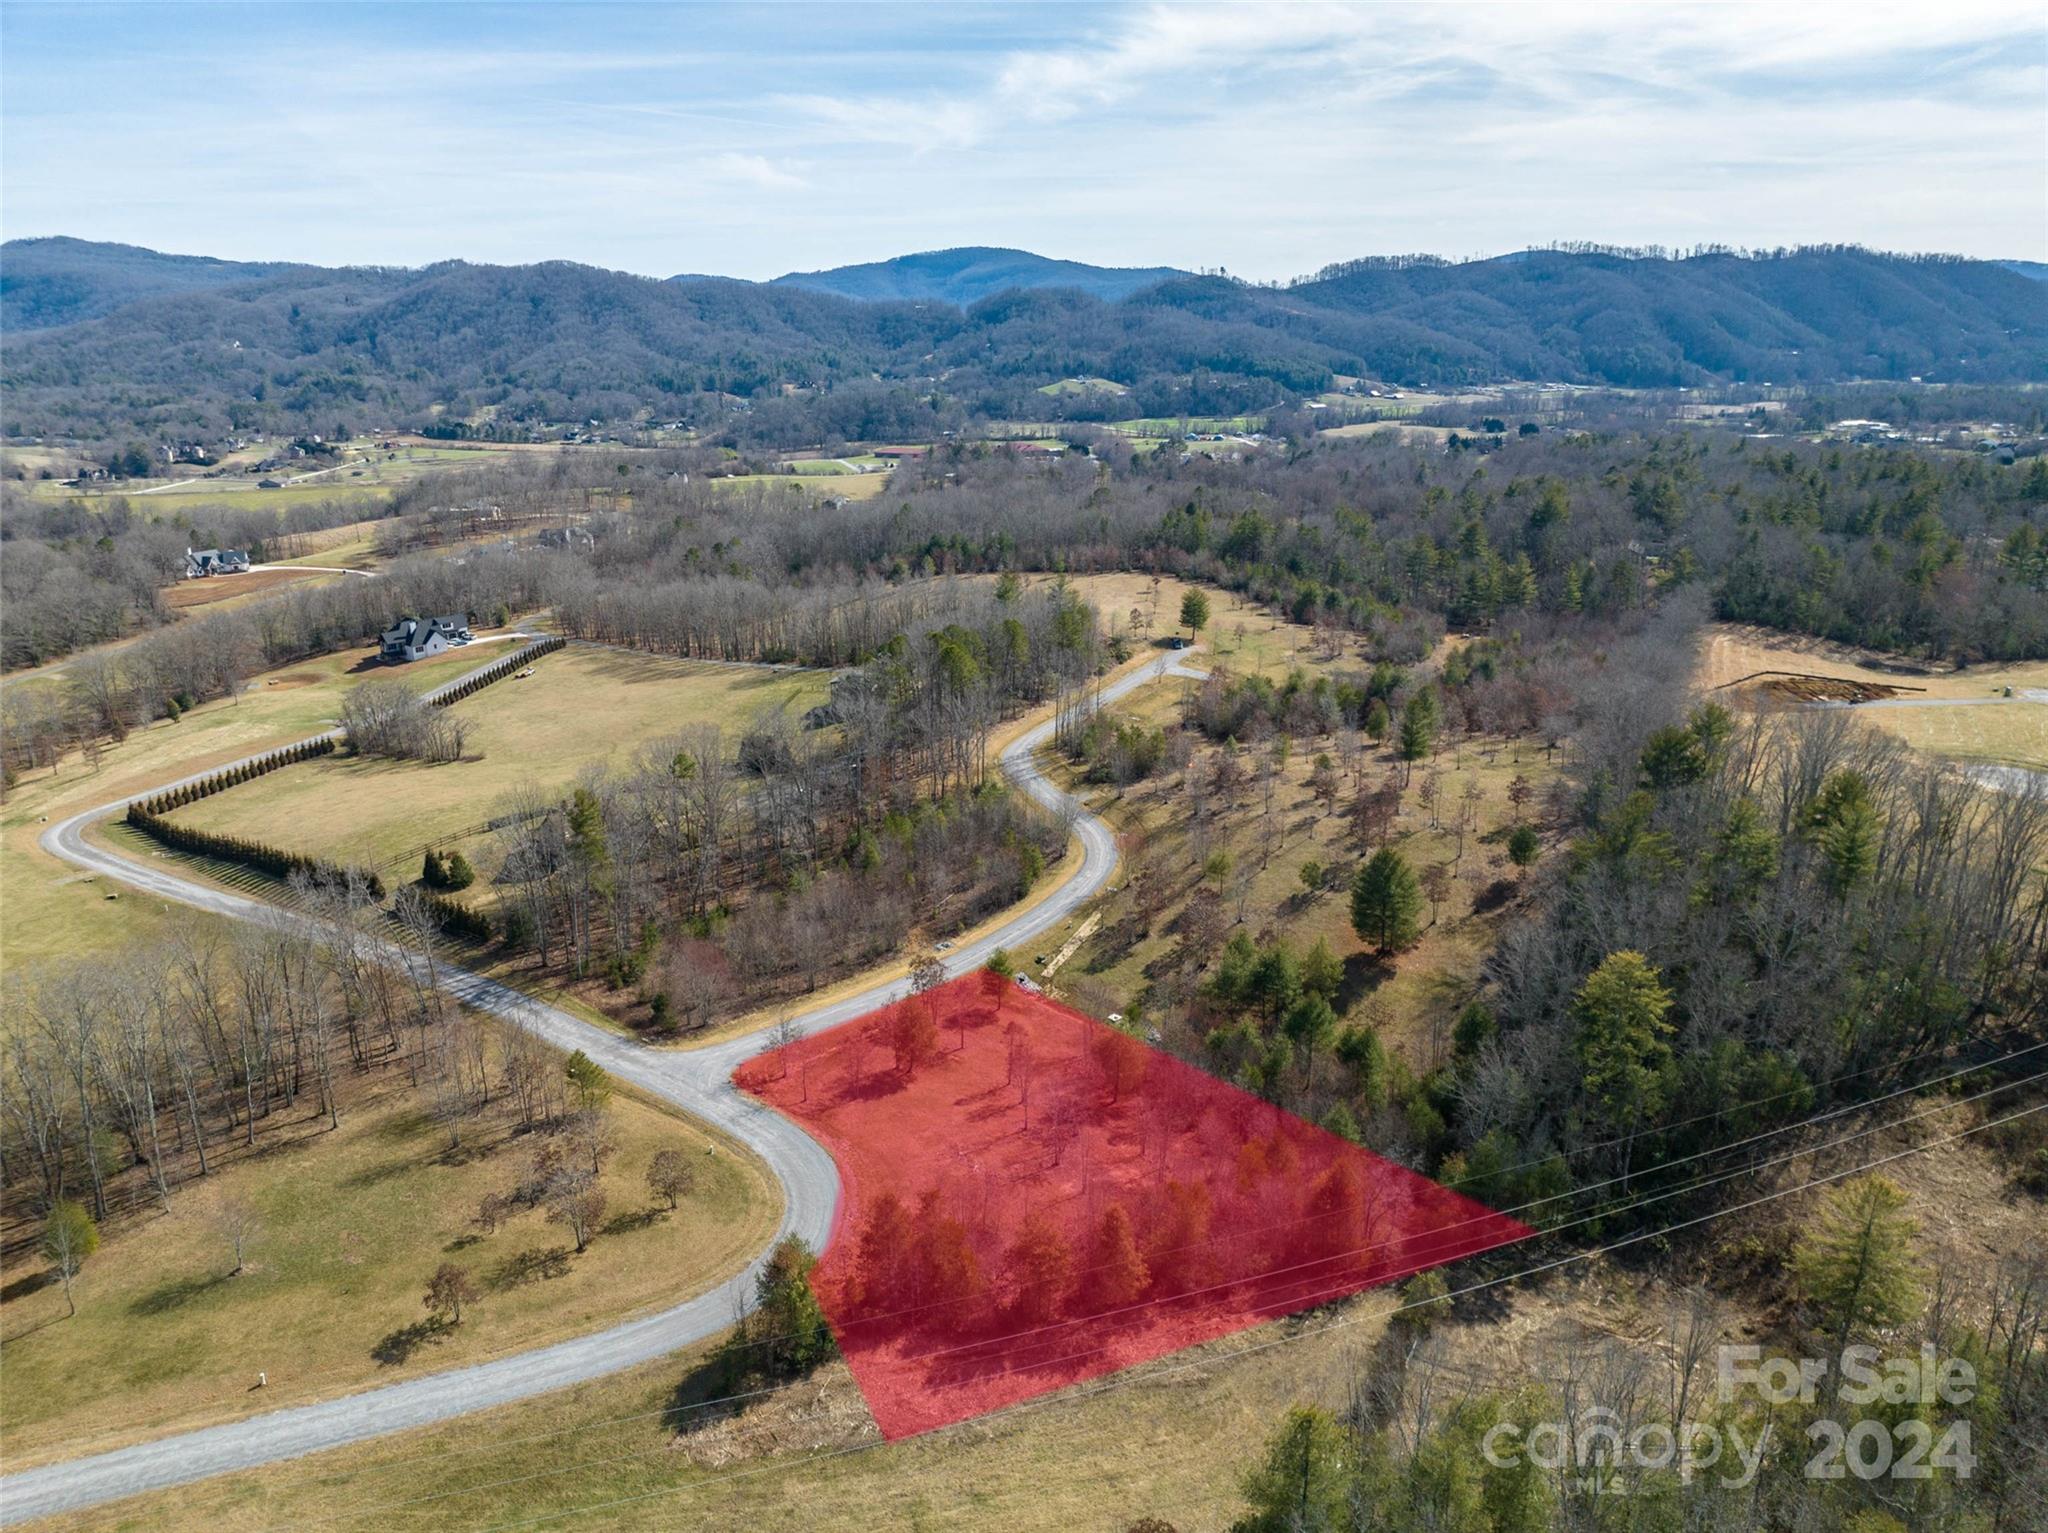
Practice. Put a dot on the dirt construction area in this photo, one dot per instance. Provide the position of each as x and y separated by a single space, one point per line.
1988 713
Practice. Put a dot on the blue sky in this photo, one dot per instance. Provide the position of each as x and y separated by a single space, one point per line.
1267 139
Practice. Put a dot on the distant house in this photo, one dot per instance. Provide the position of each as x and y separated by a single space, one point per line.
202 562
414 638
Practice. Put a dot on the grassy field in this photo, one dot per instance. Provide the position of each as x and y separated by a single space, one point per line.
1083 387
582 708
2009 733
1411 1000
804 487
367 473
244 494
54 911
640 1451
1174 425
1399 430
352 1223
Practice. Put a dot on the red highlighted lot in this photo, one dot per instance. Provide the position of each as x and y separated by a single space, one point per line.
1033 1198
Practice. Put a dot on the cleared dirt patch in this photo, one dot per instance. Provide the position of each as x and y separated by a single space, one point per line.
187 594
1800 686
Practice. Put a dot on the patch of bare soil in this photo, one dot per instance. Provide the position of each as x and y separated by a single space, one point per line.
216 588
1800 686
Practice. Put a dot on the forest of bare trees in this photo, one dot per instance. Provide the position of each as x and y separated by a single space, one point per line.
129 1078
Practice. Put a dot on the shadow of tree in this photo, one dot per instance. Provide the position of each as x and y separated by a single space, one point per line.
410 1123
534 1264
701 1396
1495 896
174 1294
639 1219
373 1176
468 1153
26 1284
1363 974
399 1346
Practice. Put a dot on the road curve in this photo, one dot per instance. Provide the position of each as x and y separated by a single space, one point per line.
699 1081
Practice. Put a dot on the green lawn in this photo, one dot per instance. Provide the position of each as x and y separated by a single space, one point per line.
1174 425
1084 387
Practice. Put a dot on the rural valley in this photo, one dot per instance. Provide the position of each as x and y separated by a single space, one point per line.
982 890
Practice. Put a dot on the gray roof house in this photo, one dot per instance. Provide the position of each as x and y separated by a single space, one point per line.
414 638
201 562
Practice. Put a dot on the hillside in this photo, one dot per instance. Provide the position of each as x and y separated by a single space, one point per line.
190 345
1809 316
965 276
59 281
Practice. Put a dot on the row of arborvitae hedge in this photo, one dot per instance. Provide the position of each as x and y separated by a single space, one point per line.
499 671
251 854
457 919
241 771
454 872
147 815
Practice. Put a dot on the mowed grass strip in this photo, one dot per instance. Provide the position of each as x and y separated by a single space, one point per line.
352 1223
582 708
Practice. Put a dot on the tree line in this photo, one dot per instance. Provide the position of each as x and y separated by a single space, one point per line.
129 1078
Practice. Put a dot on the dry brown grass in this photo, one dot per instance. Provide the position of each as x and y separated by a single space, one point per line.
636 1452
353 1222
1733 650
221 590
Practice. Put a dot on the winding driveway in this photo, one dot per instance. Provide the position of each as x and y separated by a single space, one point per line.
699 1081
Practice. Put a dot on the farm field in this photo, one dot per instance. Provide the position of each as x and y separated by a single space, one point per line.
851 463
803 487
1083 387
242 492
1399 430
1174 425
583 707
366 473
53 910
351 1222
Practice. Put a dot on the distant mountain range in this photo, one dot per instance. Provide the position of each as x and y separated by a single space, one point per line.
965 276
106 339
